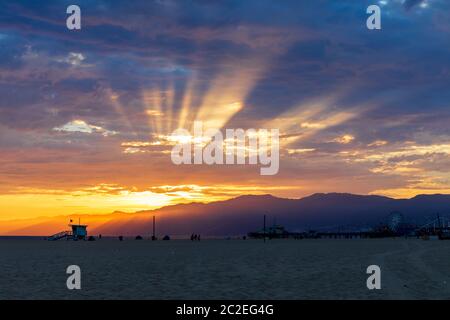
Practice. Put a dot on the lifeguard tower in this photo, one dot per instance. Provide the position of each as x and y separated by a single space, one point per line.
78 232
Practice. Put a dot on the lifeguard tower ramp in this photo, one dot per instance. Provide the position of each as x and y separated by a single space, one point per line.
60 235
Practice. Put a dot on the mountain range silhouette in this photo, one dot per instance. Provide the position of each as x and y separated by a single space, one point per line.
240 215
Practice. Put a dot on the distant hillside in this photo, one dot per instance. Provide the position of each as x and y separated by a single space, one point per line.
239 215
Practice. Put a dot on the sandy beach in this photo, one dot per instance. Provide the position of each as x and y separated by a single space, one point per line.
225 269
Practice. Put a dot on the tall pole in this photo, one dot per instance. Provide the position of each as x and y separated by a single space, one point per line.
154 235
264 228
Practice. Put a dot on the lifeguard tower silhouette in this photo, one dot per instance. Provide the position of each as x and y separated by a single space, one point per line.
78 232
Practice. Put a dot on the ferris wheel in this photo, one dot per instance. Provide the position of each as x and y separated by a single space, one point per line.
394 220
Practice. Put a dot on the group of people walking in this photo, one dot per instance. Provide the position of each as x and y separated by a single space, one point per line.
195 237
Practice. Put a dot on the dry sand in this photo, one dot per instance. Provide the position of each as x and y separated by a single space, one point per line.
221 269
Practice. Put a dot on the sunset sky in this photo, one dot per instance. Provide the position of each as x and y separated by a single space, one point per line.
85 115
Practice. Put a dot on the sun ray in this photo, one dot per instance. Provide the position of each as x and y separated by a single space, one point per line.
307 119
228 93
168 103
119 109
186 103
152 102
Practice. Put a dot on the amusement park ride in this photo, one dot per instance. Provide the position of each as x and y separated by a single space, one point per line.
439 227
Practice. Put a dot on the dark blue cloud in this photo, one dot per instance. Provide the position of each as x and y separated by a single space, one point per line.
11 50
313 48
